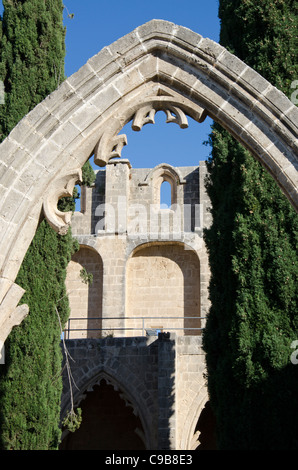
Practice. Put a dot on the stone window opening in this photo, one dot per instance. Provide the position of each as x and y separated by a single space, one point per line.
166 194
164 190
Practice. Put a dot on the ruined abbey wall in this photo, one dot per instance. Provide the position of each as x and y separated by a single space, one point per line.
159 381
135 331
149 263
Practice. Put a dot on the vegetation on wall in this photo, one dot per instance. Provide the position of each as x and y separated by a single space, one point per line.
252 247
31 66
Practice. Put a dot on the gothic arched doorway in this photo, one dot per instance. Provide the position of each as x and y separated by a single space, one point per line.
109 422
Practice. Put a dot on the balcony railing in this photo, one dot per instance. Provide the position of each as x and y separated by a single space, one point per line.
145 326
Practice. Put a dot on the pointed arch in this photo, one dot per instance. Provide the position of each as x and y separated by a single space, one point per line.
130 391
159 174
158 66
85 298
196 403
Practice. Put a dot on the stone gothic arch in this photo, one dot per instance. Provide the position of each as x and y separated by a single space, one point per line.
130 387
128 405
159 174
158 66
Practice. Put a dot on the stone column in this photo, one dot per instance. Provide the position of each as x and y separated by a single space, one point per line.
113 244
167 391
117 194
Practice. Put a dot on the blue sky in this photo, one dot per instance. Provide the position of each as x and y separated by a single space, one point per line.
98 23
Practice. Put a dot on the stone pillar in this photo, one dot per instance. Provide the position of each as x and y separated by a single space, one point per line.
81 220
205 216
167 391
117 194
113 252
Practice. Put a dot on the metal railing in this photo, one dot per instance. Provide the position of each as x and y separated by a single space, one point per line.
146 330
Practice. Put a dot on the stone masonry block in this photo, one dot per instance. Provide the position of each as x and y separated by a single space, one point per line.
63 101
156 28
123 45
210 49
190 39
105 98
85 116
231 64
66 133
278 99
254 81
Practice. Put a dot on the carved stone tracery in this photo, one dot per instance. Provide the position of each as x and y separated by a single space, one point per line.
127 400
63 186
146 115
173 105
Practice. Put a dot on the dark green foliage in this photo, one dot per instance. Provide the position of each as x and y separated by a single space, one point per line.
264 35
30 385
252 247
31 56
31 66
88 175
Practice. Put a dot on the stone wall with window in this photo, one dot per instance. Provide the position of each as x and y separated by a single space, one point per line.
155 269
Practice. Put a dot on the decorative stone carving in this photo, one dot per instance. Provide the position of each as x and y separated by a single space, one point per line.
176 109
105 94
109 381
10 315
164 169
146 115
109 147
61 187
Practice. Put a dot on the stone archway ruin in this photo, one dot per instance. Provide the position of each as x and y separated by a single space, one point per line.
114 419
158 66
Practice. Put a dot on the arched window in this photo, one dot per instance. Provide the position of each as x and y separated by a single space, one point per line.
163 290
85 299
165 195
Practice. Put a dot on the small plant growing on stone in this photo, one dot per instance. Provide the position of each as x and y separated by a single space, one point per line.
86 277
73 420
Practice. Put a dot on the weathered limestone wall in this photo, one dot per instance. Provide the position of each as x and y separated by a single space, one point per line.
160 378
164 282
85 300
191 389
152 270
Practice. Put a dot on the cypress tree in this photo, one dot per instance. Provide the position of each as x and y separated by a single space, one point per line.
252 247
31 57
32 66
31 384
